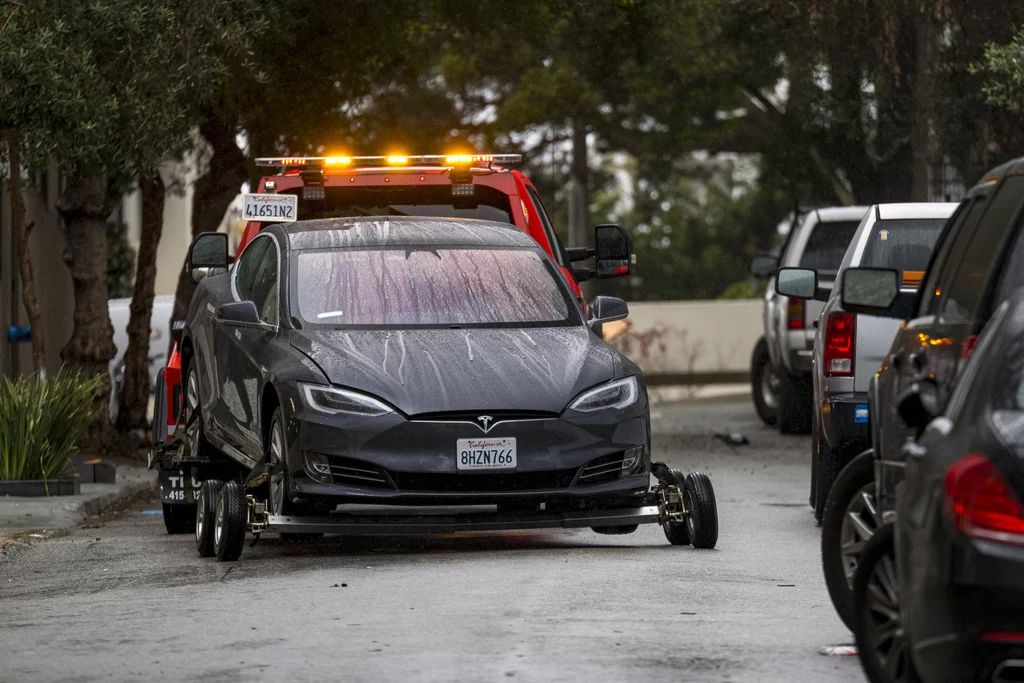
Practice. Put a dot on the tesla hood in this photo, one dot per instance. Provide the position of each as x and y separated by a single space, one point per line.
432 371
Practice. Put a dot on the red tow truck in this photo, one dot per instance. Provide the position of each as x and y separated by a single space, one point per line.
478 186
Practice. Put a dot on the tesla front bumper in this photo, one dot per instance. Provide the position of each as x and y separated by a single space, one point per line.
581 460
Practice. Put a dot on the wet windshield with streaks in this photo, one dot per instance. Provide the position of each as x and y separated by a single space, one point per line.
430 287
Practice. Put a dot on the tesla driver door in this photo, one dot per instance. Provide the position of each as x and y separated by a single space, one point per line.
239 345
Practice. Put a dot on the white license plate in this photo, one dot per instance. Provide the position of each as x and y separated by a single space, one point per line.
270 208
485 454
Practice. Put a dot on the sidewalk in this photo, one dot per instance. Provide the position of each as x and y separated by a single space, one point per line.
705 394
54 516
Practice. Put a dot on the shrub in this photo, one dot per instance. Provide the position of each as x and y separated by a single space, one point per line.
41 422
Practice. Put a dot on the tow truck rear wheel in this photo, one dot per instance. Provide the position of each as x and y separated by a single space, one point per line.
701 511
677 533
206 507
278 499
229 524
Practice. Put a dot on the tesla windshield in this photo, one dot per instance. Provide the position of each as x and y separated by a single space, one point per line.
430 287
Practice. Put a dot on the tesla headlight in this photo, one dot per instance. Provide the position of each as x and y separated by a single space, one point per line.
333 401
620 393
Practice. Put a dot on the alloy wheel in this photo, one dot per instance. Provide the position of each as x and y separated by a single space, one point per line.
277 478
885 632
769 387
859 525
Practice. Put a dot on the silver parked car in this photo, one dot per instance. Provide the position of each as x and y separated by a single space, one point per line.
781 364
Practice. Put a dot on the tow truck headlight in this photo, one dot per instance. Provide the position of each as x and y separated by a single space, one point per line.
334 401
618 394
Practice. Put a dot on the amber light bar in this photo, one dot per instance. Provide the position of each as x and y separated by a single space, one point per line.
449 160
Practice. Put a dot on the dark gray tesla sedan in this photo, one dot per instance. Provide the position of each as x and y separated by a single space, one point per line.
412 361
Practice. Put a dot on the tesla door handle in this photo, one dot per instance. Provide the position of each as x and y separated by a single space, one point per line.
917 360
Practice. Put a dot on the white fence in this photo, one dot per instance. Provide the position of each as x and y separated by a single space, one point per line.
692 342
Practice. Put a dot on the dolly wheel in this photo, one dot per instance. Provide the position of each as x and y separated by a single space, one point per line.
677 533
701 510
229 526
206 512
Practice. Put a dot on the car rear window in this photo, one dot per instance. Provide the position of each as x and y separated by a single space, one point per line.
425 287
827 246
486 203
903 245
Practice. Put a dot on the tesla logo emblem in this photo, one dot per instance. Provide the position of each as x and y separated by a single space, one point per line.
485 422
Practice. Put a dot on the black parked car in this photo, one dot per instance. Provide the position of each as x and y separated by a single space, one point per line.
978 263
939 594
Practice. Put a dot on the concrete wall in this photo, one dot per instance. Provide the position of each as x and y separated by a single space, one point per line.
692 342
53 280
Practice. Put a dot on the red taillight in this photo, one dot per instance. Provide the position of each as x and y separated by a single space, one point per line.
839 337
982 503
968 347
795 314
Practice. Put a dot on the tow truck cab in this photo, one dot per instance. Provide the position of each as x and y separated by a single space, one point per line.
458 186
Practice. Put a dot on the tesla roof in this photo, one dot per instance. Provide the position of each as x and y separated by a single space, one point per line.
396 231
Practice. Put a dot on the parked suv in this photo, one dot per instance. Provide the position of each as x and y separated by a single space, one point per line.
978 263
781 364
849 348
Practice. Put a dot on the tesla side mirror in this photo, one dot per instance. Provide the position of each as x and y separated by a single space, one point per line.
919 404
239 313
763 265
614 251
207 255
607 309
870 290
799 283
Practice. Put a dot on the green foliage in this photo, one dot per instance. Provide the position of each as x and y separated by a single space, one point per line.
41 422
1004 69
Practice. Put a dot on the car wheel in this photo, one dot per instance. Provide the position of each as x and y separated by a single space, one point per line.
764 383
815 452
677 533
206 508
702 511
882 644
195 432
278 495
830 464
850 520
615 530
794 404
179 519
229 523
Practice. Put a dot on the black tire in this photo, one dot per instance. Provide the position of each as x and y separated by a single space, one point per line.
794 404
615 530
179 519
206 508
278 499
702 517
229 527
677 533
812 499
849 523
830 463
876 611
763 383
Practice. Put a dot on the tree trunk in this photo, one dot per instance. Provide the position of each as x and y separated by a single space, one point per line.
135 393
215 190
21 234
85 206
926 59
579 178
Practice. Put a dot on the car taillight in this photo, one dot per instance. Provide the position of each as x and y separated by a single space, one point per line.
981 501
839 338
795 314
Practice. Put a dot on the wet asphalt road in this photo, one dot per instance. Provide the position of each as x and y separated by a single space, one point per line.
124 601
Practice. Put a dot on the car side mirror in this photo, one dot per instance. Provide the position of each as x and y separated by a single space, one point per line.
919 404
763 265
207 255
239 313
614 251
579 253
870 290
799 283
607 309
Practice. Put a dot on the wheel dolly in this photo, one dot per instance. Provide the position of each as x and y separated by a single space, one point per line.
684 506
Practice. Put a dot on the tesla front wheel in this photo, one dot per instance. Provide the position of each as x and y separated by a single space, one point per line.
277 457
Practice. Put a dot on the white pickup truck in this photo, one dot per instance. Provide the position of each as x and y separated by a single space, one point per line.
780 369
